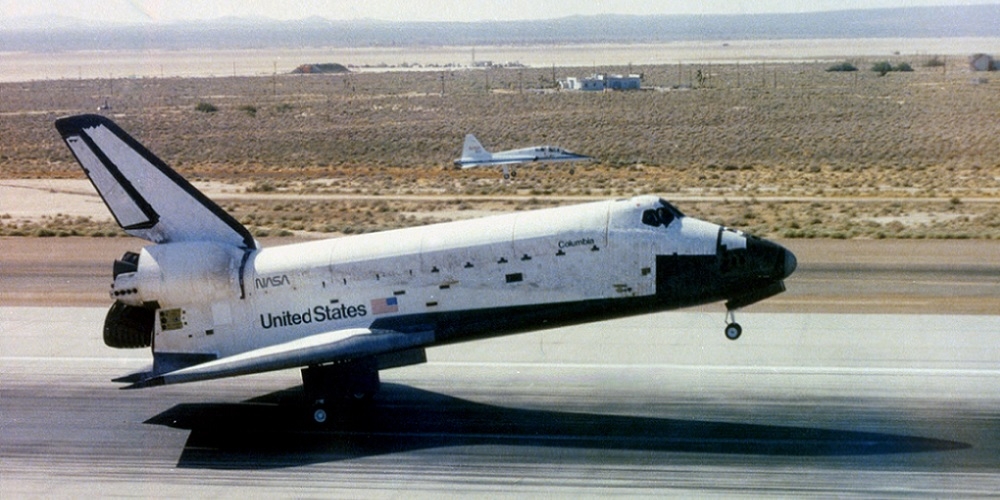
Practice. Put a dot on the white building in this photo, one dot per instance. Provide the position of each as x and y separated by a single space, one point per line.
602 82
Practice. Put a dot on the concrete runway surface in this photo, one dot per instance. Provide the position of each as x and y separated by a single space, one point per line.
848 405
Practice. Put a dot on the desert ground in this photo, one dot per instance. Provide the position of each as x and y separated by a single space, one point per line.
781 149
777 146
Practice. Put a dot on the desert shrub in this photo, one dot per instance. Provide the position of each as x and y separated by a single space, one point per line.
882 67
206 107
844 66
261 187
249 110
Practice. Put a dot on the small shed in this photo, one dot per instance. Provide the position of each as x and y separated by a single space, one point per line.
983 62
595 82
624 82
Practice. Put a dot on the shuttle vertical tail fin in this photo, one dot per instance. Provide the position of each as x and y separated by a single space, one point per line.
148 199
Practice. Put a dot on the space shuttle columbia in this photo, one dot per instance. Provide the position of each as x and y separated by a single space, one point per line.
210 302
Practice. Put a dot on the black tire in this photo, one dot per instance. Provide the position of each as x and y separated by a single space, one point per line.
320 416
733 331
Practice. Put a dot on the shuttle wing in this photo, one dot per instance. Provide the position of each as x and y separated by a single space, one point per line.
338 345
147 198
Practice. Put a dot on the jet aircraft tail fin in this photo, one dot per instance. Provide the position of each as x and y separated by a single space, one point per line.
473 150
148 199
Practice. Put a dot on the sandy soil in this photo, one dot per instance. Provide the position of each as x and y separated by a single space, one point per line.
32 199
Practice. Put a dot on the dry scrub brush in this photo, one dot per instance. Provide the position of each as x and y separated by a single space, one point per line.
749 130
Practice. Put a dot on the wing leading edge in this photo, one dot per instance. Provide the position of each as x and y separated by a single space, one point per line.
338 345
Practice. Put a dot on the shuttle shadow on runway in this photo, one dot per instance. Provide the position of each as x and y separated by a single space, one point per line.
273 431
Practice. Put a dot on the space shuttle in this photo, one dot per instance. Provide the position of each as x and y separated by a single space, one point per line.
209 301
475 155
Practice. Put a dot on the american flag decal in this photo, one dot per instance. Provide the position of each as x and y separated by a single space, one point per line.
384 306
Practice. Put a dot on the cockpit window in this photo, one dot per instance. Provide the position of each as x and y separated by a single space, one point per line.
661 216
650 218
671 208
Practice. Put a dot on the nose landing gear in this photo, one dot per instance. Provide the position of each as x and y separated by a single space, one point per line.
733 329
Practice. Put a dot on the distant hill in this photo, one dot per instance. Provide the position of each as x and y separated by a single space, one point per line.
35 35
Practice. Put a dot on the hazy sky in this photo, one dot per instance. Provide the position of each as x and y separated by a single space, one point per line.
132 11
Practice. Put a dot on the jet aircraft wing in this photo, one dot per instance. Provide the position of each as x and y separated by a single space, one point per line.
493 162
338 345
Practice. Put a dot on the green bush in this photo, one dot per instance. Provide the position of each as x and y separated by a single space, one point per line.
882 68
206 107
844 66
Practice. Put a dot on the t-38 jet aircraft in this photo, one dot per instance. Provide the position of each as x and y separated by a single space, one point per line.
212 303
475 155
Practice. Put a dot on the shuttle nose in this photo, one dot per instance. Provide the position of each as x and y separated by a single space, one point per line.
770 260
790 263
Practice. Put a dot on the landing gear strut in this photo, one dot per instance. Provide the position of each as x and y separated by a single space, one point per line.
342 385
733 329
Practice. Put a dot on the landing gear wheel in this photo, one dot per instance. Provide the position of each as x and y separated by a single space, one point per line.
733 331
341 390
319 416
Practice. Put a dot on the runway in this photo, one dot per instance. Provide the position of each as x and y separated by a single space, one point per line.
802 405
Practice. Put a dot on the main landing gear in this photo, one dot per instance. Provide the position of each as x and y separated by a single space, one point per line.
343 386
733 329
